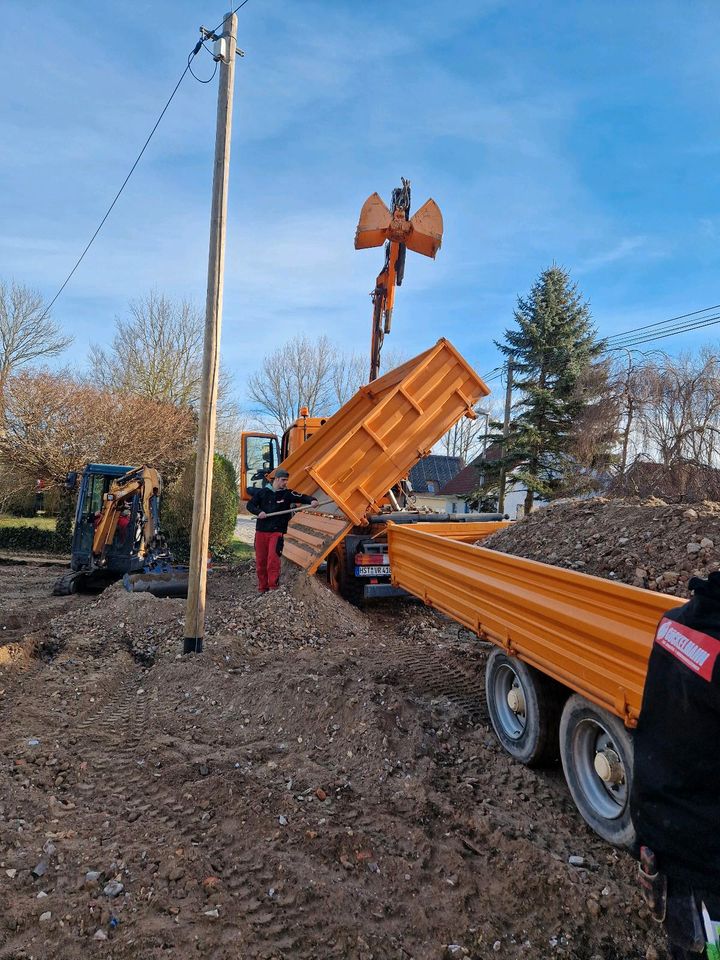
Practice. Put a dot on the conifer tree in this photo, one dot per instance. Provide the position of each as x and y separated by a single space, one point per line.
552 348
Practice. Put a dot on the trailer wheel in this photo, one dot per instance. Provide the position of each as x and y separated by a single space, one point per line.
524 707
597 757
340 579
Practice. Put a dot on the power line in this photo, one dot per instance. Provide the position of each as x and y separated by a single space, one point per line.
193 53
661 323
650 337
125 181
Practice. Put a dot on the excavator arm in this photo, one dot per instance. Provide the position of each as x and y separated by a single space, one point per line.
421 233
144 481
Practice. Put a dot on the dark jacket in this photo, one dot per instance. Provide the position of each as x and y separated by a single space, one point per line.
675 800
273 501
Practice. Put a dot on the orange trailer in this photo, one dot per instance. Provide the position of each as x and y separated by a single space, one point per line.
570 658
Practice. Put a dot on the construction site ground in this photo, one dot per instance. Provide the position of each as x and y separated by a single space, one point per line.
321 782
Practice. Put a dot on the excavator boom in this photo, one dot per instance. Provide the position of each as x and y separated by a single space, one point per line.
421 233
142 480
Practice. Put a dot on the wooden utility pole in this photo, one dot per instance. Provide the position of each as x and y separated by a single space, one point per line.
506 431
195 611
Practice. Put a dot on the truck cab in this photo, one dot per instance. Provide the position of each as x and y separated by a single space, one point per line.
261 453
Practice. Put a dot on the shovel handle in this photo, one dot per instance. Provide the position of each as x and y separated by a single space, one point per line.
305 506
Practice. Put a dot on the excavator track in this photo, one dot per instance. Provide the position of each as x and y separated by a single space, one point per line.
68 584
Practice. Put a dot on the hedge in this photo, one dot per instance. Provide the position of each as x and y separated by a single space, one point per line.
177 507
18 539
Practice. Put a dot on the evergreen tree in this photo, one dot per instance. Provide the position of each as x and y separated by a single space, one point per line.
551 351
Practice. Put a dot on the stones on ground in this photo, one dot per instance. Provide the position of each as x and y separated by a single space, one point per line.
113 889
40 869
44 917
282 820
647 543
576 861
11 873
100 935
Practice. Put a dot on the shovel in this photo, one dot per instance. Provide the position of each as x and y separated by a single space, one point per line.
305 506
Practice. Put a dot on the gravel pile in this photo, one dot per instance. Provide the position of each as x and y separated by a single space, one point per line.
646 543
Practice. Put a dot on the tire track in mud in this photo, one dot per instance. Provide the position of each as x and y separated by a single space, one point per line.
123 727
427 673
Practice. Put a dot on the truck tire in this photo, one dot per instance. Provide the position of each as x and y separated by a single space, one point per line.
341 579
597 757
524 707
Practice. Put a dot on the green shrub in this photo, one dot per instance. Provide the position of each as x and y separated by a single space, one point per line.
19 539
177 507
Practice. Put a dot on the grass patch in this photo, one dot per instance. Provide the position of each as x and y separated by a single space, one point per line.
39 523
238 550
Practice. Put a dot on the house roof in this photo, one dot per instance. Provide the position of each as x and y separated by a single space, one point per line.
434 468
468 480
463 482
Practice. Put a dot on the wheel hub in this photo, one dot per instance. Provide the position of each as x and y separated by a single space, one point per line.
516 700
608 767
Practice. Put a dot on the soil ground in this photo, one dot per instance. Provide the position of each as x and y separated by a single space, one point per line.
320 782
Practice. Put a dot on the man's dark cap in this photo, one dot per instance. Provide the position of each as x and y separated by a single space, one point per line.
280 473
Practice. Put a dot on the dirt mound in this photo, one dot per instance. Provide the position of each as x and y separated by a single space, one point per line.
647 543
322 781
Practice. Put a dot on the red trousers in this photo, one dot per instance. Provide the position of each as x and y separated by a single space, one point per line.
267 560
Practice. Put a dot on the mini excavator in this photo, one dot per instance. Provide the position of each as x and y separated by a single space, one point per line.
117 533
399 232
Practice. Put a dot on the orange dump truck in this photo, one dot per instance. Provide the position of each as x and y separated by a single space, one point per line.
352 461
567 672
568 668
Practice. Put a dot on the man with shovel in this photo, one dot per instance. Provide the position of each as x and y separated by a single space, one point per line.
273 507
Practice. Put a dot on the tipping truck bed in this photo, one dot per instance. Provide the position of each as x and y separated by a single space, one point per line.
570 660
371 443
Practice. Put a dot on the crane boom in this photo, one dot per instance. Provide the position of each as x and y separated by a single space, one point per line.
421 233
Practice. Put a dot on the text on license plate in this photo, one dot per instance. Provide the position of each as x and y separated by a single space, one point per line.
381 571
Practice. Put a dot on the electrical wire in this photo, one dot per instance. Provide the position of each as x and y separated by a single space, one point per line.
191 56
228 16
661 323
125 181
199 79
651 337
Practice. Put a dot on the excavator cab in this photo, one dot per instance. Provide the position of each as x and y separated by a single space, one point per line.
117 529
95 482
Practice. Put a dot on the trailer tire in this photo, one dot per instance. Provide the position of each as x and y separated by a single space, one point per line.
597 757
524 707
342 580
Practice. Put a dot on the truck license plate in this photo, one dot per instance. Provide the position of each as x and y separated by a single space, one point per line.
382 571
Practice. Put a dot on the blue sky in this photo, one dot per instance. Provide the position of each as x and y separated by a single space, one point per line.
581 133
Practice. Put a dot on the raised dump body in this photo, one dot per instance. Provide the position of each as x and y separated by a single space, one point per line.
371 443
571 658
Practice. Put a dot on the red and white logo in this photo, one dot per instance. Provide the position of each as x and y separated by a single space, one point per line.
696 650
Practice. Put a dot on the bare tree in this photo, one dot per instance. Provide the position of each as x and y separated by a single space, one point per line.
228 436
26 334
157 353
469 438
347 375
298 374
56 423
595 432
681 418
